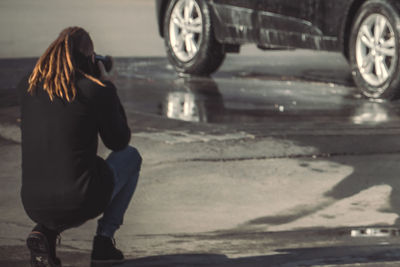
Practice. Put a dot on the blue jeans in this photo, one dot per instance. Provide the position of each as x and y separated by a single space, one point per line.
125 165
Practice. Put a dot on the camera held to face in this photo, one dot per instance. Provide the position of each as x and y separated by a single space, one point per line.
106 60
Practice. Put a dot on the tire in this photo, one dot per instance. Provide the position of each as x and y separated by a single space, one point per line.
374 49
200 53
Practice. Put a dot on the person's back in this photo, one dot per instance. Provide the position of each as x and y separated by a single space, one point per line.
64 182
58 167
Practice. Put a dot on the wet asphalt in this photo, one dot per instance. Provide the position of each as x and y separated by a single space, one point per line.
306 97
304 90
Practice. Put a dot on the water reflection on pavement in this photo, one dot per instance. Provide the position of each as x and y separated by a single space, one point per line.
232 97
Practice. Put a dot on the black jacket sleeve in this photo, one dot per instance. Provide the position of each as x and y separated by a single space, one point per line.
112 121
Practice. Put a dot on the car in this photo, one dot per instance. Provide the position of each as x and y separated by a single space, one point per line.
198 34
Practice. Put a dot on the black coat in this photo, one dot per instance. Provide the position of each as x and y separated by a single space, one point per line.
64 182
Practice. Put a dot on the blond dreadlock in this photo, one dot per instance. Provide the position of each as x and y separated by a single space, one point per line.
56 67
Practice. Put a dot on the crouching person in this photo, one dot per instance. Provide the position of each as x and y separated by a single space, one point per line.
67 102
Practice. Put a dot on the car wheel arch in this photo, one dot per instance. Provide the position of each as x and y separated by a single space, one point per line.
161 16
348 24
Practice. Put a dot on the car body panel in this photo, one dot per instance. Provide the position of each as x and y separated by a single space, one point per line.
277 23
237 3
288 16
235 21
292 24
308 24
336 11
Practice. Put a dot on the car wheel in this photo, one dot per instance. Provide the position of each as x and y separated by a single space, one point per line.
374 49
189 38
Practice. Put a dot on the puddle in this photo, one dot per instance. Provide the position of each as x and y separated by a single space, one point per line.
149 86
375 232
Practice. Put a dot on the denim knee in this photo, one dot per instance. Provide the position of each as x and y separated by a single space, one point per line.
134 157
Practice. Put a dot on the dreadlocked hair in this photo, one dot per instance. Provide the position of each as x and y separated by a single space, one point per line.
57 68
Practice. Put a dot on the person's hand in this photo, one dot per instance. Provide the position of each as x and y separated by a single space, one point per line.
104 75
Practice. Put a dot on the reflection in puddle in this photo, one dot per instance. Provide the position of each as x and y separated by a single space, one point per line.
193 99
244 95
370 113
201 100
183 106
375 232
234 100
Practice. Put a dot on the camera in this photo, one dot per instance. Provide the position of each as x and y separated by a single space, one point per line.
106 60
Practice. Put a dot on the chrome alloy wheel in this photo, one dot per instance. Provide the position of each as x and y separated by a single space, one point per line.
186 28
376 50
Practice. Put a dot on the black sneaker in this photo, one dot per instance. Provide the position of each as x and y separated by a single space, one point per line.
40 251
104 252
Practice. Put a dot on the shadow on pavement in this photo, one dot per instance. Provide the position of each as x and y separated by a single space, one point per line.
374 160
369 174
374 255
290 257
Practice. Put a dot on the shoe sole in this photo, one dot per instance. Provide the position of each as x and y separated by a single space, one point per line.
37 244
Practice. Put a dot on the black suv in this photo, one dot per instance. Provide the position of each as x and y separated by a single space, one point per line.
198 34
